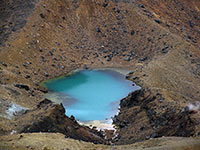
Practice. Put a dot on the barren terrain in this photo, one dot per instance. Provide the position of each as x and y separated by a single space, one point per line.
157 40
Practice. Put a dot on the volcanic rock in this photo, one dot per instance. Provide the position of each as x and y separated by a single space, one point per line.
49 117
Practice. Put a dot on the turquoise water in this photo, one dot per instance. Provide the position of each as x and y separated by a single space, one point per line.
91 94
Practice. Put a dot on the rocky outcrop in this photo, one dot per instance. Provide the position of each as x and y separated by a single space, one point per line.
49 117
13 16
145 114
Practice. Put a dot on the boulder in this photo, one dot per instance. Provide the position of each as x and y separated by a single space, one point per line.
158 21
22 86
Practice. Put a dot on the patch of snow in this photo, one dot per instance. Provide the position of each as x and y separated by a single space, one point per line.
15 109
195 106
13 132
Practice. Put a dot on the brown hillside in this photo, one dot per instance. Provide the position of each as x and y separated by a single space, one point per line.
156 39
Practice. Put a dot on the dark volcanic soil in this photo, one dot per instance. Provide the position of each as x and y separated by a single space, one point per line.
158 40
14 16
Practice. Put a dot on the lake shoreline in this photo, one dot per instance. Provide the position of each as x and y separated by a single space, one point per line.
116 73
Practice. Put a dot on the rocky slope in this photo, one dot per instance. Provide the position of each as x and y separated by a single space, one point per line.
158 40
141 106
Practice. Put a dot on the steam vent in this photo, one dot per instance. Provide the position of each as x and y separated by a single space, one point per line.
99 74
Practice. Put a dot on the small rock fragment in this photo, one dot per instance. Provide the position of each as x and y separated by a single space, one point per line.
157 21
132 32
42 15
86 67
